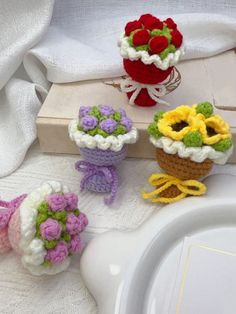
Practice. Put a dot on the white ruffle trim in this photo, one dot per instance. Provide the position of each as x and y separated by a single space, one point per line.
114 143
128 52
33 248
197 154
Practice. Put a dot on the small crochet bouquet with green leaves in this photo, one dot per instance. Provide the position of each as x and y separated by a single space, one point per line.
193 133
188 141
44 227
102 134
150 49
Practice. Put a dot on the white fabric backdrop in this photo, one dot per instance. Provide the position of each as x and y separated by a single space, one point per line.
80 44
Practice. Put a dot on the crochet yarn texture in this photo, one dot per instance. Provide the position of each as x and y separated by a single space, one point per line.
43 228
150 48
102 135
188 140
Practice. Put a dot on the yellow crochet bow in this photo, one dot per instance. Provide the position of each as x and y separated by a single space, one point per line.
164 181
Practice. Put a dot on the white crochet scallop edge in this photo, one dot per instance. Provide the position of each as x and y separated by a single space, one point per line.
33 251
197 154
114 143
128 52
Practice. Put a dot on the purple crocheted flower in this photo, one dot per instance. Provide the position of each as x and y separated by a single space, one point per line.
58 254
5 216
122 112
83 220
84 111
50 229
108 125
71 200
89 122
73 224
56 202
106 110
76 244
127 123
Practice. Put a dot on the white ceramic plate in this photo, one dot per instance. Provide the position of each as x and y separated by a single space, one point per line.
133 272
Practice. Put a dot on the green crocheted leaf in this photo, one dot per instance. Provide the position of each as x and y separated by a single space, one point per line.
166 33
205 108
116 116
47 264
156 32
223 145
193 139
63 226
79 127
169 49
172 48
130 38
50 244
93 132
142 48
76 212
66 237
102 118
154 131
120 129
95 112
102 133
61 216
158 115
40 219
43 208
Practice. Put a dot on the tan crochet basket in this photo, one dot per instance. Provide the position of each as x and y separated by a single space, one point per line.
182 168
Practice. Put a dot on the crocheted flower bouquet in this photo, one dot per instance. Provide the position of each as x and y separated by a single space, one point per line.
43 227
188 141
102 135
150 48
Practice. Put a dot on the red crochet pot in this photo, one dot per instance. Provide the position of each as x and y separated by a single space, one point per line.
145 74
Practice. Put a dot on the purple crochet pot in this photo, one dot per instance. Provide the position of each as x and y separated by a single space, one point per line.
101 157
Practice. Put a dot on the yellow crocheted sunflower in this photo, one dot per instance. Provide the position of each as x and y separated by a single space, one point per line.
213 129
176 123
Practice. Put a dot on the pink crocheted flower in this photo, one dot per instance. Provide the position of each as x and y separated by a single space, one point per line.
58 254
71 200
76 244
50 229
56 202
83 220
73 224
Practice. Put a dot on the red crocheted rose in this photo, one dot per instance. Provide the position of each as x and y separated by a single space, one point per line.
132 26
158 44
177 38
141 37
170 23
153 23
145 17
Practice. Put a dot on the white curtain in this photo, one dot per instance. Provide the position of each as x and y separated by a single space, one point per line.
64 41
